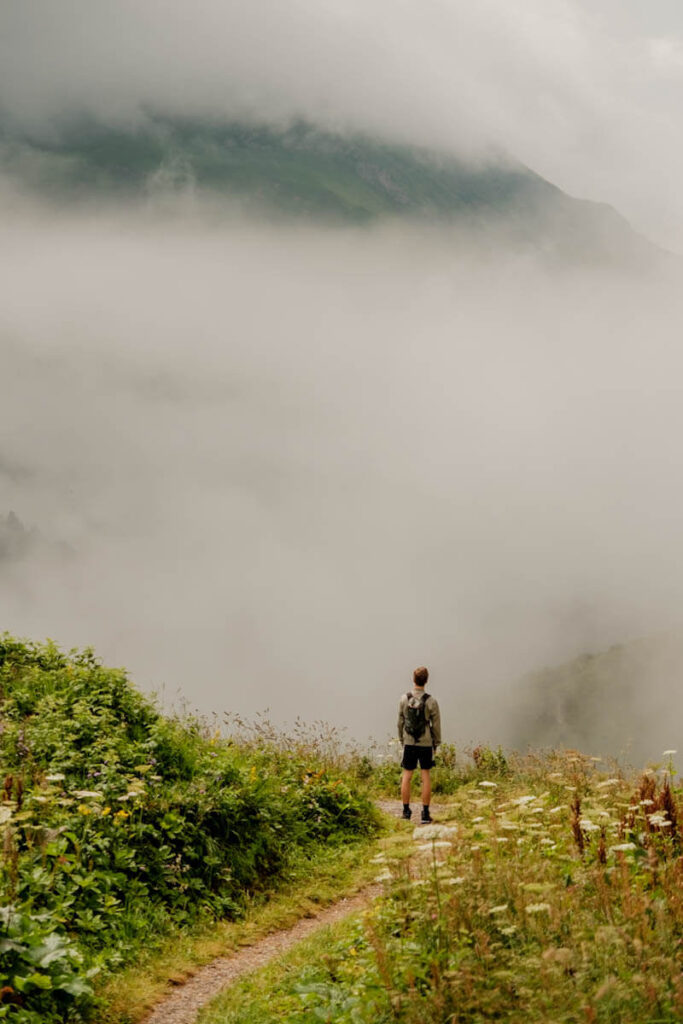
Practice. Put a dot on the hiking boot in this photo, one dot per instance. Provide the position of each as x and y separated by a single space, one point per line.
407 813
426 818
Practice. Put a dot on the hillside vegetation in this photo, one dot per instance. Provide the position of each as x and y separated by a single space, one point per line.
551 890
620 702
301 171
120 824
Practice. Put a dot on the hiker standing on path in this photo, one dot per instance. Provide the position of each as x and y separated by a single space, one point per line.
419 730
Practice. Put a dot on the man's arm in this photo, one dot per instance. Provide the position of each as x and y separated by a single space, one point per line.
401 720
435 723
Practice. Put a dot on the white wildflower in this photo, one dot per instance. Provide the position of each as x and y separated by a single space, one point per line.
499 910
659 820
459 880
669 753
489 785
646 803
418 881
607 783
538 908
502 839
385 876
85 794
522 800
509 929
55 777
475 821
509 826
434 832
588 826
5 814
622 848
379 859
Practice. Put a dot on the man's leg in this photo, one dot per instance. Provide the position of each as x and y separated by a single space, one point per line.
426 787
426 795
405 786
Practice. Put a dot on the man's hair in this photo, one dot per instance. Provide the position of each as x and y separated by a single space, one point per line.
420 676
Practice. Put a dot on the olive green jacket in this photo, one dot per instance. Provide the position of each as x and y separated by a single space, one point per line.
431 737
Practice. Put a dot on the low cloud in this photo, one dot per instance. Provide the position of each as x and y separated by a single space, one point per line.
588 97
292 464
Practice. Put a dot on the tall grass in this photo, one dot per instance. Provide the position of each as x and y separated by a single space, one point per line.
552 892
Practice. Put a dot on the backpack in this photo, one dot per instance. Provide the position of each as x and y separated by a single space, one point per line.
415 718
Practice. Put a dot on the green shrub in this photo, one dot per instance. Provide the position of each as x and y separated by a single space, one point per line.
120 822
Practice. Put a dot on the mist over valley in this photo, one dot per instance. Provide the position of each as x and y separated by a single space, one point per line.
305 386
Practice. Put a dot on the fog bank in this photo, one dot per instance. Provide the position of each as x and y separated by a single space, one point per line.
289 465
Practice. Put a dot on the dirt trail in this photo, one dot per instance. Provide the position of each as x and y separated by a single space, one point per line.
183 1005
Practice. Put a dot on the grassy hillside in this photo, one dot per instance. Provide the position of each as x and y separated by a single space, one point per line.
551 891
120 824
304 172
615 702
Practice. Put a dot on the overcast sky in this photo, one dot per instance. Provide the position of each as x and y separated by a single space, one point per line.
294 463
587 94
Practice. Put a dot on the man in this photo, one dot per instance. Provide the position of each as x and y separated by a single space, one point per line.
419 730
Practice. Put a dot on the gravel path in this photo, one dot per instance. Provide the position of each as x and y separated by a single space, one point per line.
183 1005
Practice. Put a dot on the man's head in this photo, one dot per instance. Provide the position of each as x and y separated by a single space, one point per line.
420 676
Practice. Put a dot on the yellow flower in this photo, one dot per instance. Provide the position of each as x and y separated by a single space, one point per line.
84 809
106 811
121 815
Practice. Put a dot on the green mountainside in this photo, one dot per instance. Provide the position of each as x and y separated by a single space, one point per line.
303 172
615 702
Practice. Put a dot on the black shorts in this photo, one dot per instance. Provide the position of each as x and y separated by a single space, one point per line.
412 754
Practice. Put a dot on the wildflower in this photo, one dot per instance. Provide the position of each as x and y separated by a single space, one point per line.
509 826
379 859
120 815
588 826
458 880
555 810
386 876
475 821
509 929
522 800
622 848
55 777
607 783
538 908
502 839
434 845
84 809
434 832
85 794
106 811
659 820
499 910
669 753
5 815
418 881
489 785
